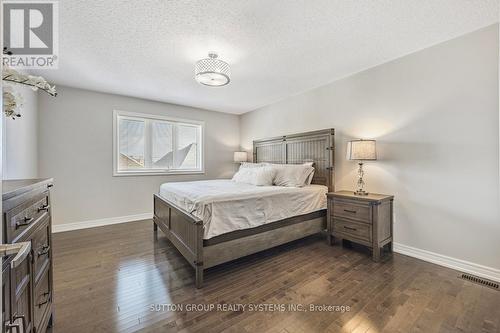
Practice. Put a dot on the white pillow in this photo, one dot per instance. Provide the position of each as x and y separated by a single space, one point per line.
244 175
293 175
310 178
264 176
259 176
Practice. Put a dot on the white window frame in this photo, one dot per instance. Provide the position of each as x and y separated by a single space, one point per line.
155 172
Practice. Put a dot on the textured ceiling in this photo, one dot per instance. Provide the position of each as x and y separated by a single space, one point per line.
276 48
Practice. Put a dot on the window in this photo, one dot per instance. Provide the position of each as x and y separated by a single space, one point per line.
150 144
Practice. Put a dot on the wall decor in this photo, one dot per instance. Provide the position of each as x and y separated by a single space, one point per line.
12 102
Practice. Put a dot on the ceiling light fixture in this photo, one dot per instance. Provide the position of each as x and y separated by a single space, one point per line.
212 71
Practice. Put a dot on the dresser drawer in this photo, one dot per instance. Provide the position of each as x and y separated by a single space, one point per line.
40 243
6 313
354 211
20 296
42 300
21 275
22 217
354 230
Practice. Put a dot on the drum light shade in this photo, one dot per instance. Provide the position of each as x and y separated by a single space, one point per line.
361 150
212 71
240 156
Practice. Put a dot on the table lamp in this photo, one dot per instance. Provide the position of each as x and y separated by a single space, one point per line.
240 156
361 150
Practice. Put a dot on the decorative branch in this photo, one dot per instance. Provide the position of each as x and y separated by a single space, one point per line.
35 82
12 102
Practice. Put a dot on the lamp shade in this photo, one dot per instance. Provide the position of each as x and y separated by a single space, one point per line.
361 150
240 156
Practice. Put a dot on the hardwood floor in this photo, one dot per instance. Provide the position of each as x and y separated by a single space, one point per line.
106 280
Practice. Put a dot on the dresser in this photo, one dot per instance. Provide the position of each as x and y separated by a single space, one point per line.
366 220
27 288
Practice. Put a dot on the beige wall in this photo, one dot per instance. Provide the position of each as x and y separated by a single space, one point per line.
435 116
75 147
20 151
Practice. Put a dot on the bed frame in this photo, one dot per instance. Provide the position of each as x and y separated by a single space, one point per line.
185 231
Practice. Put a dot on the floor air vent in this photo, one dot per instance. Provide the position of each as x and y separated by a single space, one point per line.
481 281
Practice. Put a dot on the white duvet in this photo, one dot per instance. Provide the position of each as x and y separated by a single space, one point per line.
226 206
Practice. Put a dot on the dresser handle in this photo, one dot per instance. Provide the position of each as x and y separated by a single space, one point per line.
44 208
46 301
349 228
45 249
26 221
350 211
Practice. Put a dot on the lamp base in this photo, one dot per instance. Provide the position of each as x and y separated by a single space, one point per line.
360 192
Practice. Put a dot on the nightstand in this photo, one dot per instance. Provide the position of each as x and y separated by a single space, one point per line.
366 220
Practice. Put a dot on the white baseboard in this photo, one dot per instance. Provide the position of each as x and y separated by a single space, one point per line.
100 222
458 264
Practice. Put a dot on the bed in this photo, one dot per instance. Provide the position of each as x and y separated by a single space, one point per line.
216 221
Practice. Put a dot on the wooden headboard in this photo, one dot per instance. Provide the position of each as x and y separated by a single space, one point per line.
317 147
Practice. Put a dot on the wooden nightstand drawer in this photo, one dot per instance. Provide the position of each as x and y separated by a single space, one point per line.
364 219
355 230
358 212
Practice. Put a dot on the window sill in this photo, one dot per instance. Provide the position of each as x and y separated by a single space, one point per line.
157 173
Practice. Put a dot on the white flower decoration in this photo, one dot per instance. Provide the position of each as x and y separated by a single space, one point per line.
12 102
35 82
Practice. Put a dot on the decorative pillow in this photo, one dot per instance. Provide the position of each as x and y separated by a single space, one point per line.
259 176
293 175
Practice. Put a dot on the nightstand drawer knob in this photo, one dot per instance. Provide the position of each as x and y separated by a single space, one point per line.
349 228
350 211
